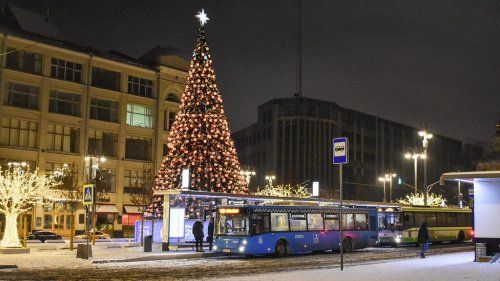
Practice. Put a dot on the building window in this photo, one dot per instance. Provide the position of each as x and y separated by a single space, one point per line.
63 138
105 79
168 120
140 87
103 143
172 97
105 180
134 181
65 103
139 116
21 95
66 70
104 110
24 61
137 148
69 181
19 133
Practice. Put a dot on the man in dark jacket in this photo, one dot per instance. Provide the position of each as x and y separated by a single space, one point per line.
198 235
210 236
423 239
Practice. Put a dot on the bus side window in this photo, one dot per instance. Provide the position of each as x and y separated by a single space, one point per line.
331 222
440 219
260 223
451 218
373 223
279 222
360 222
419 219
430 218
314 222
348 221
461 219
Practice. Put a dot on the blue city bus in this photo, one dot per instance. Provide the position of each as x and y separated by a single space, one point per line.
283 230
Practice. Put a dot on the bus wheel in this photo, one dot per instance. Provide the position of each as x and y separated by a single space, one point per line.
347 244
281 249
461 237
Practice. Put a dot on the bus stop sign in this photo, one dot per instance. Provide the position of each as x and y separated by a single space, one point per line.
340 151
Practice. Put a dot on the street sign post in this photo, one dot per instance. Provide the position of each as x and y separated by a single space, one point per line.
340 157
88 200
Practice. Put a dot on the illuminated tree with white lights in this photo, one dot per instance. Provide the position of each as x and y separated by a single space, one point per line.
20 188
417 199
284 190
200 139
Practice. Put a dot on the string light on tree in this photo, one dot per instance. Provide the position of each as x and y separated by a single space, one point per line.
200 139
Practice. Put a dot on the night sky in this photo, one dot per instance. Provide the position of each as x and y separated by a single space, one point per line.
414 62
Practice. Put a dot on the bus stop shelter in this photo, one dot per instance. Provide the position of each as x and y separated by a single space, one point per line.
486 194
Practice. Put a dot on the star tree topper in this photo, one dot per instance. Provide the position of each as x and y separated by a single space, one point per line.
202 17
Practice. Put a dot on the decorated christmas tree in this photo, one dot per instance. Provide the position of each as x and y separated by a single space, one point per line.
200 139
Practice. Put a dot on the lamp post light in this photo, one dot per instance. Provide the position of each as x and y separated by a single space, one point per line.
91 179
270 179
415 157
247 174
390 177
383 180
426 136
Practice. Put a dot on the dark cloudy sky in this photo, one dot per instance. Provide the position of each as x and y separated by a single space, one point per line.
434 62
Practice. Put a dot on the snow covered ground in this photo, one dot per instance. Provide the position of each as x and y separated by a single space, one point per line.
456 266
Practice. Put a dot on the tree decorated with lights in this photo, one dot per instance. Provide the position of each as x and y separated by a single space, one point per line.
200 139
417 199
20 188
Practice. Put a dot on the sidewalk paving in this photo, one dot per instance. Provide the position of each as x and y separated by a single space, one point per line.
48 256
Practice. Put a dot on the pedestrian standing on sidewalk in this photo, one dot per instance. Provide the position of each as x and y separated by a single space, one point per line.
210 236
423 239
198 235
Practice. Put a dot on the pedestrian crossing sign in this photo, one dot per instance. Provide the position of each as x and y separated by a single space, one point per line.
88 194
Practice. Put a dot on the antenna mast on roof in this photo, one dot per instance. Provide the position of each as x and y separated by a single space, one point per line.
298 90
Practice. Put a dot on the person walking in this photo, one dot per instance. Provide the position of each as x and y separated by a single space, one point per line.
198 235
210 236
423 239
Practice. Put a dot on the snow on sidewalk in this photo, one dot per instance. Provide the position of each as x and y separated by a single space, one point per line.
457 266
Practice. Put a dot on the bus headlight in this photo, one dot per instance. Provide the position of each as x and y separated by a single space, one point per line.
397 239
214 247
244 242
241 248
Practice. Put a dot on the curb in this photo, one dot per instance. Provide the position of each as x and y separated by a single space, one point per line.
159 258
8 266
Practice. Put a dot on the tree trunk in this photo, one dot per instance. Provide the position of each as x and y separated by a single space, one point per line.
10 236
72 230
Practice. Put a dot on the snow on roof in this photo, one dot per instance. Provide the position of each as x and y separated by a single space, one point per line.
471 176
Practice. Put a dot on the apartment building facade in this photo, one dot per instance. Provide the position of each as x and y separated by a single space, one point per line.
62 104
292 140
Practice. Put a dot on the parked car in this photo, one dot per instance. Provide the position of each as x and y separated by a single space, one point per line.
98 235
44 235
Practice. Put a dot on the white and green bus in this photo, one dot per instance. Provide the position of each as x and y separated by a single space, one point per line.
399 225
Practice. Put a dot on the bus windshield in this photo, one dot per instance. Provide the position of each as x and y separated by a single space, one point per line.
232 221
390 221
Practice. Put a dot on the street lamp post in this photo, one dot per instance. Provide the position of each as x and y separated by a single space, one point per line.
426 136
383 180
390 177
270 179
247 174
415 157
91 179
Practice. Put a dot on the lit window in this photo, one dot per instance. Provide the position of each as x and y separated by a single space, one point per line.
139 116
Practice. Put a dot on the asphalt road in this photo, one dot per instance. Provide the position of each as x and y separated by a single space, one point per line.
219 267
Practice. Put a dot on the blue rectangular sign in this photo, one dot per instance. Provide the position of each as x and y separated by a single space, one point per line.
340 151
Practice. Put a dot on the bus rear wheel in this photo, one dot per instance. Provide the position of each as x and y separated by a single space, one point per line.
348 245
281 249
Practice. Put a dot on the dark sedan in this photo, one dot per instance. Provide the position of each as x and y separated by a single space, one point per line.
44 235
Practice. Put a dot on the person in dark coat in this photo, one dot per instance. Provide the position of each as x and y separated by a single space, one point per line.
198 235
210 236
423 239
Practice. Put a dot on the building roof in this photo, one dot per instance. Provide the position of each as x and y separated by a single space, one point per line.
28 25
